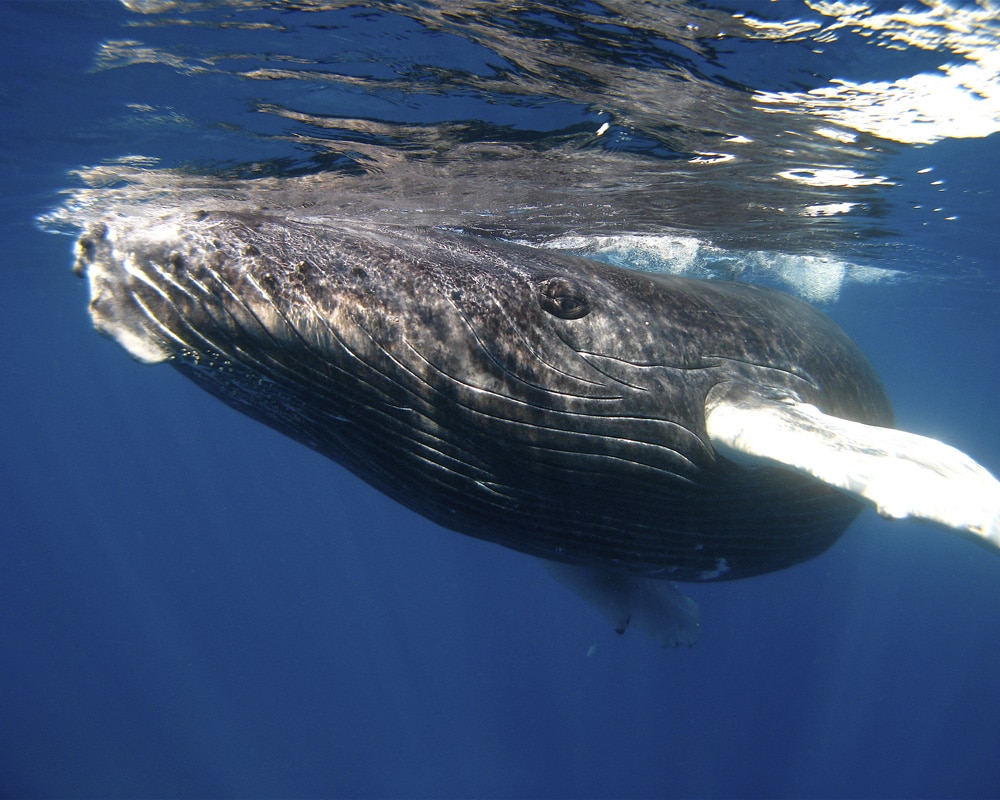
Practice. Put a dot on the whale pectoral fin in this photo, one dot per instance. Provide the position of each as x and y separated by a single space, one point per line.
657 607
902 474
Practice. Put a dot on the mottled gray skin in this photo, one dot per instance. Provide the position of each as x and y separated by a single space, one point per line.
547 403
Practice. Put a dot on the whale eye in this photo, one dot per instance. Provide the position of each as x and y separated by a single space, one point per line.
563 298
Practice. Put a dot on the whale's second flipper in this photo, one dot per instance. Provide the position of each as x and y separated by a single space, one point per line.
657 607
902 474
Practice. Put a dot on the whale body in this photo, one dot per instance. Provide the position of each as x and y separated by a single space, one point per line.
583 413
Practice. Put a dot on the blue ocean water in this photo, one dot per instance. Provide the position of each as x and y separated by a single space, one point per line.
194 606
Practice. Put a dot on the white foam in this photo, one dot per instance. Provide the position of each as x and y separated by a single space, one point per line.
818 279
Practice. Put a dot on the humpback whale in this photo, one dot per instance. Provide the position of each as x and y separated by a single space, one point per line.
631 429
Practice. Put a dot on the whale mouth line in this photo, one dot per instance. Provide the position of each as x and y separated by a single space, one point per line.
604 418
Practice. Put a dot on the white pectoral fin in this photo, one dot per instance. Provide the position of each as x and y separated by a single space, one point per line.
655 606
902 474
